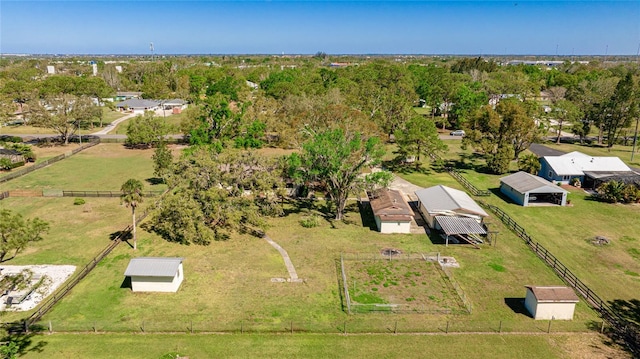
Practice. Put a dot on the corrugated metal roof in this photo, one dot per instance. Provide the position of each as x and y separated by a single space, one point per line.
577 164
553 294
390 205
153 267
459 225
524 182
442 198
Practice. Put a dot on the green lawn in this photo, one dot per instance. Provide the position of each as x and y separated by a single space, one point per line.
103 167
319 346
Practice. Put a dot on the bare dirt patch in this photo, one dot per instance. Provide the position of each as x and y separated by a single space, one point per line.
48 277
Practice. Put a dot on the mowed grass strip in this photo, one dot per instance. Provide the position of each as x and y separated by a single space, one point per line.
321 346
103 167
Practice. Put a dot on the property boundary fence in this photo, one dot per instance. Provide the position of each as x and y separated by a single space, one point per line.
62 291
361 324
4 195
447 276
105 193
47 162
463 181
623 329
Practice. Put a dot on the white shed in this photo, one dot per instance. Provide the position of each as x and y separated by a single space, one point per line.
391 211
153 274
557 303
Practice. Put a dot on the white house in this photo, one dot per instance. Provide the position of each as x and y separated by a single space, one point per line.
526 189
391 211
174 105
587 169
550 303
153 274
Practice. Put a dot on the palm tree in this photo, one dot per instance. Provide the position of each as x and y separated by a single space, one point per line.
132 197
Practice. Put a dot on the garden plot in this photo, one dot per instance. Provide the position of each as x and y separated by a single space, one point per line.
400 285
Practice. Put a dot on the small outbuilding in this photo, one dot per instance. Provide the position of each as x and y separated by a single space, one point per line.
550 302
391 211
526 190
153 274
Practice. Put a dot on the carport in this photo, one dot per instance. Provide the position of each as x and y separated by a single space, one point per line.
528 190
467 229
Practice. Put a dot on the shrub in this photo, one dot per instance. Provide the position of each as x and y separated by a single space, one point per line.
310 221
529 163
78 201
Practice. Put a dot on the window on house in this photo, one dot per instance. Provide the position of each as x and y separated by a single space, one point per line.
550 174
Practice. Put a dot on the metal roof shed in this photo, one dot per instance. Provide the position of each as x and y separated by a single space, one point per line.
550 302
525 189
154 274
443 200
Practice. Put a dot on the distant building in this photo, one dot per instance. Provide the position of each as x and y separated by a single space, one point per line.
138 106
51 70
152 274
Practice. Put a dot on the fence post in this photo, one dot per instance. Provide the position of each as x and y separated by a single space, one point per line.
344 329
191 328
447 329
602 327
95 327
549 327
395 328
142 326
500 327
292 327
241 327
50 328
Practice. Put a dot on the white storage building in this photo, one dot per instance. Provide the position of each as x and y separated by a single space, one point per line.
153 274
550 302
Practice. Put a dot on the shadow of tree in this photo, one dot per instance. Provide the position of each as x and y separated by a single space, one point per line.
24 341
627 309
154 180
124 235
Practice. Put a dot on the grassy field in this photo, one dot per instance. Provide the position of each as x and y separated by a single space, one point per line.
322 346
102 167
108 117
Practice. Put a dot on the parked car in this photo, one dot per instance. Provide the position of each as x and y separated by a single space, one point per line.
457 133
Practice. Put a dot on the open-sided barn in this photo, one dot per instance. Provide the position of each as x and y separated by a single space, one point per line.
526 189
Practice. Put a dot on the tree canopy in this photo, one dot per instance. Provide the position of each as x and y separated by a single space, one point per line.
337 161
16 233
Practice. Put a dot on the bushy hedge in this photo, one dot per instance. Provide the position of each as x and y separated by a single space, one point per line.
618 192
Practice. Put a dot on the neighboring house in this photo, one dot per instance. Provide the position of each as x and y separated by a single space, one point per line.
138 106
391 211
453 212
13 155
550 303
588 169
495 99
175 105
526 190
127 95
153 274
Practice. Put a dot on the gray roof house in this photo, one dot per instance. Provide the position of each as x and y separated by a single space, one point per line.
138 105
452 211
526 189
155 274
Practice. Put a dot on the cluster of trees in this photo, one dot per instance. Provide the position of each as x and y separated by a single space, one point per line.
16 233
618 192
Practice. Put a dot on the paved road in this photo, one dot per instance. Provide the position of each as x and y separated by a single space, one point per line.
541 150
110 127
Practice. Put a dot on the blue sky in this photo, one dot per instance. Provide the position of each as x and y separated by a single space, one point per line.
335 27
